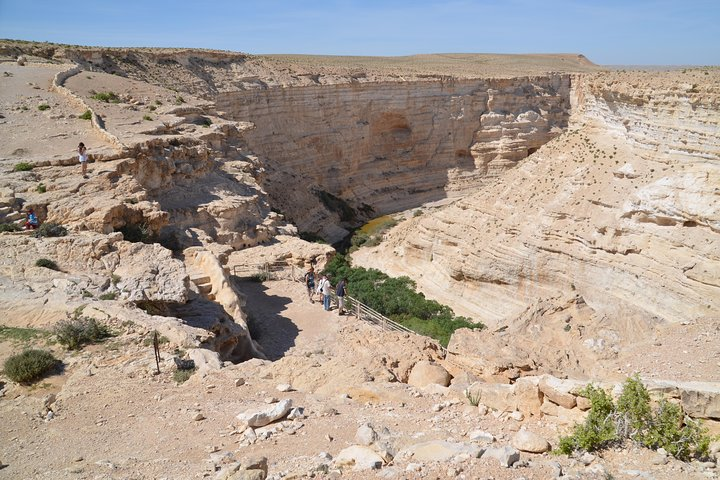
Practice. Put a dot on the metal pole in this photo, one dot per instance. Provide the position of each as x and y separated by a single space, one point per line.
156 347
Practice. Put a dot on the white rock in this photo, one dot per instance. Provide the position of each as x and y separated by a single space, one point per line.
365 435
527 441
438 450
481 436
284 387
413 467
261 418
359 457
426 373
506 456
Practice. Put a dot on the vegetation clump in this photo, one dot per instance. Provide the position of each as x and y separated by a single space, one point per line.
73 334
43 106
182 375
22 167
397 299
20 335
87 115
50 229
107 97
29 365
372 233
46 263
9 227
137 233
633 419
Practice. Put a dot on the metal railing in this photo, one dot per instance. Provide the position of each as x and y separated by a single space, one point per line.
375 318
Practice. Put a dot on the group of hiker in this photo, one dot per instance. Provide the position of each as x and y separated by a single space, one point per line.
324 288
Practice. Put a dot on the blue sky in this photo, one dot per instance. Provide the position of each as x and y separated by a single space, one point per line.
659 32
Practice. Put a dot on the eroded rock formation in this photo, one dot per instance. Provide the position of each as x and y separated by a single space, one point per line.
622 211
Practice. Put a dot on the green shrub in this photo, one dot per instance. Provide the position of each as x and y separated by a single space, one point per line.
75 333
115 279
22 167
182 376
107 97
46 263
633 408
599 428
397 299
50 229
152 108
179 100
43 106
633 419
681 436
108 296
29 365
41 188
9 227
147 117
87 115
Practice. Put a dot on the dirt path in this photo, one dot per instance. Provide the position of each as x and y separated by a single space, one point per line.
281 318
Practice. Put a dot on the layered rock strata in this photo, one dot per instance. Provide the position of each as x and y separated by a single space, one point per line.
384 147
622 211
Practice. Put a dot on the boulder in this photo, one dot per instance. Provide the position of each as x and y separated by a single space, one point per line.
359 457
499 396
365 435
562 415
527 441
558 390
440 451
260 418
698 399
506 456
527 394
205 359
427 373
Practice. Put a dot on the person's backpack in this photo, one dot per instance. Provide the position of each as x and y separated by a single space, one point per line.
320 285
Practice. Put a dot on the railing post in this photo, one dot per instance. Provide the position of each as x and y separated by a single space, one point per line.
357 310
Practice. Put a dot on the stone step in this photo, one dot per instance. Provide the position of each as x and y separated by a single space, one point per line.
204 288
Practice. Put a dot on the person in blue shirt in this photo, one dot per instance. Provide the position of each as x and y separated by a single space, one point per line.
32 220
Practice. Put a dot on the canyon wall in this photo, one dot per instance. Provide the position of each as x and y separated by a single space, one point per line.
389 146
621 212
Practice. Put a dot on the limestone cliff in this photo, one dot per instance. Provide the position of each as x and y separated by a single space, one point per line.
389 146
622 210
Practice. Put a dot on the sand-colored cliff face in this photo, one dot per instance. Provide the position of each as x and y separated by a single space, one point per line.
622 210
390 146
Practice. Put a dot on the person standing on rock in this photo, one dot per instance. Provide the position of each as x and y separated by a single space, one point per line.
83 157
310 283
341 291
